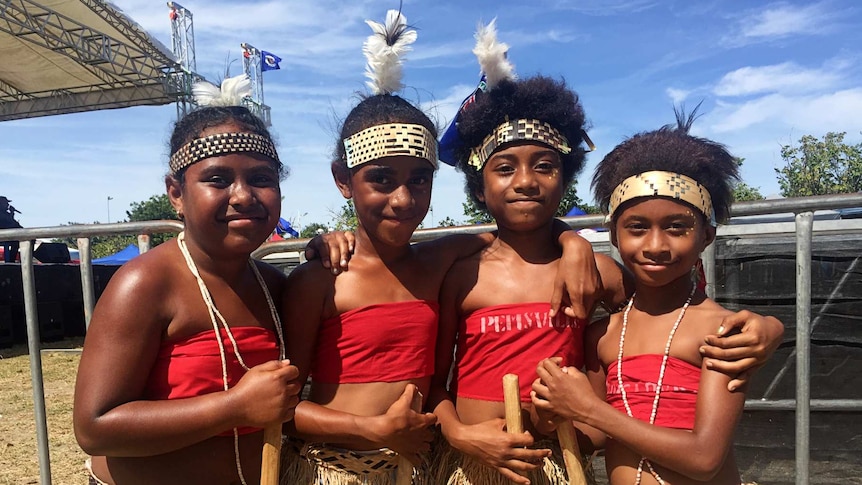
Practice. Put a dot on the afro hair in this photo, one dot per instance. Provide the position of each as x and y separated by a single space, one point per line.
671 149
538 97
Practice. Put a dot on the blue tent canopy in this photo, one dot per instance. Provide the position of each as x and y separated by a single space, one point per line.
575 211
121 257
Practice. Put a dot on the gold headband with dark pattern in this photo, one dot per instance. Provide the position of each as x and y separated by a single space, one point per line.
221 144
390 140
534 130
663 184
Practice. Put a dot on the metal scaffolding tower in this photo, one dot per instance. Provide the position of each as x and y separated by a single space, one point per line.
80 55
251 59
183 45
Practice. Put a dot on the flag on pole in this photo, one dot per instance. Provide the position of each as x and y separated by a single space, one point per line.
283 227
269 61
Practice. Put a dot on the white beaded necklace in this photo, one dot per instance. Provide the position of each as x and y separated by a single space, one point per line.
658 383
216 317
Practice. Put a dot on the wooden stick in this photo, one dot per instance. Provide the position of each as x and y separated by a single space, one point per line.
404 476
512 401
271 455
571 453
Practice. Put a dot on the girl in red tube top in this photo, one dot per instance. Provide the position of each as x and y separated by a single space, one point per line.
367 336
669 416
183 364
518 156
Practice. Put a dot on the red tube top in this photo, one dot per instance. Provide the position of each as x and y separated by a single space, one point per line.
676 406
512 338
386 342
192 367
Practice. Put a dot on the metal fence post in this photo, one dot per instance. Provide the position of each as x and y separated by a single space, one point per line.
708 260
34 342
804 230
85 255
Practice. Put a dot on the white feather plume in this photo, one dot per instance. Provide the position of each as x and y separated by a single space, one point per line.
231 92
384 50
492 55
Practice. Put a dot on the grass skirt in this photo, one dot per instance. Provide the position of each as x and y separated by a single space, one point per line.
318 464
451 467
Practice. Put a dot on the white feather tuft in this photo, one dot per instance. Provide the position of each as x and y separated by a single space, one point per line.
492 55
384 50
231 92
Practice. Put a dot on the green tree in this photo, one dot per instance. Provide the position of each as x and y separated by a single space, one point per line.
156 208
820 167
311 230
345 219
474 214
570 199
742 191
447 222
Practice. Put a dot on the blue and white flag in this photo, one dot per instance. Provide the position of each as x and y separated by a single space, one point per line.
269 61
283 227
450 138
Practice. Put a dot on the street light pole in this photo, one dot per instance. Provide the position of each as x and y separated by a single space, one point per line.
299 222
109 208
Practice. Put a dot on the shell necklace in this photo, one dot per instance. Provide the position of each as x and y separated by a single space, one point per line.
216 317
658 383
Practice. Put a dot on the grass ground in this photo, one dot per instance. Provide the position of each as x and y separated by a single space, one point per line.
19 462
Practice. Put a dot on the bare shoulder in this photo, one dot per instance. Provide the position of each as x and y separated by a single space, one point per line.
309 278
596 331
442 252
709 316
599 335
460 278
143 296
152 275
275 278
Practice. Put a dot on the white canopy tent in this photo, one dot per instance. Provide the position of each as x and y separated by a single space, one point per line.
68 56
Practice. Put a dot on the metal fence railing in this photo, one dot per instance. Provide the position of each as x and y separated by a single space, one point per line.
803 227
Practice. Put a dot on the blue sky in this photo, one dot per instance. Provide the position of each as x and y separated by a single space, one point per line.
767 72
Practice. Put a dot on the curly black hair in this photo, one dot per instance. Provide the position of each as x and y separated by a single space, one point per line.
538 97
377 110
194 123
671 149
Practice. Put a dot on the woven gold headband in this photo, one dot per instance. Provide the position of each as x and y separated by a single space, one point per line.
221 144
394 139
518 130
663 184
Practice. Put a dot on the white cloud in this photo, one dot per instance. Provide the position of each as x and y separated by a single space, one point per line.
783 20
783 78
442 110
812 114
677 95
603 7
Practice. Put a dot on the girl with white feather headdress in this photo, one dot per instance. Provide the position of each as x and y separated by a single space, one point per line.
185 362
373 352
363 337
529 133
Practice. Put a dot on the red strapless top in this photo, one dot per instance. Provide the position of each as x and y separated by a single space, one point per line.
512 338
192 367
385 342
677 404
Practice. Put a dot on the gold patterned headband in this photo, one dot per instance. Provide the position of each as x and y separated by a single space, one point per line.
221 144
663 184
390 140
534 130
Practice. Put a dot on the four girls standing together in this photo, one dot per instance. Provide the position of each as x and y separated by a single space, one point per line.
194 347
